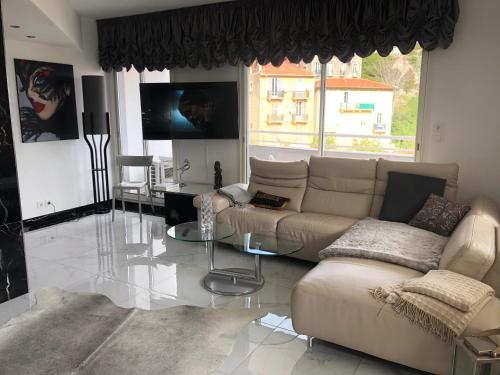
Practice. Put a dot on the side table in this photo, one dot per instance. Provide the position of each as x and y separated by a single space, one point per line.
179 200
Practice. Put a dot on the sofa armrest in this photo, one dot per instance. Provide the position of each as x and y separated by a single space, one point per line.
485 207
219 202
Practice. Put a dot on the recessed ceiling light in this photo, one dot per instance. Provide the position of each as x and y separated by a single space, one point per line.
31 36
15 26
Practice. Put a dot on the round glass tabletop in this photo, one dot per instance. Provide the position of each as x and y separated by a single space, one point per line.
192 232
267 244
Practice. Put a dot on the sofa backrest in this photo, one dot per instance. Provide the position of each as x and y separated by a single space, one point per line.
449 172
285 179
339 186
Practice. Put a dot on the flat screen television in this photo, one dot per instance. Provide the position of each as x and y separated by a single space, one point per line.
207 110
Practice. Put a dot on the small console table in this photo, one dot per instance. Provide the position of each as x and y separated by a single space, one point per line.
179 200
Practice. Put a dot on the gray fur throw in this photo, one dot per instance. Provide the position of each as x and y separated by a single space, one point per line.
390 242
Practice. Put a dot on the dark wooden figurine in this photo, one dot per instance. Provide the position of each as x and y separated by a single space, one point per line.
217 175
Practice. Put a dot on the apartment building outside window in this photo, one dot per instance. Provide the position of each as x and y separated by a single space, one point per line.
329 69
355 70
370 108
275 86
343 69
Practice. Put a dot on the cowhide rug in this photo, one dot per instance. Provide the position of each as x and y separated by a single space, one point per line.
83 334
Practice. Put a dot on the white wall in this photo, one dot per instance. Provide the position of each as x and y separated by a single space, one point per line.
203 153
63 16
463 96
57 171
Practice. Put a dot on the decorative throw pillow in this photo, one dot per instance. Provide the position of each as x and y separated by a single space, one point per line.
440 215
406 194
270 201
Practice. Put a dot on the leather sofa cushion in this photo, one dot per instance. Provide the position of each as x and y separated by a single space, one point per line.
449 172
315 231
219 202
332 303
284 179
471 248
340 186
252 219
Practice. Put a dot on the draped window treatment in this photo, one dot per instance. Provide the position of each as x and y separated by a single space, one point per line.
272 30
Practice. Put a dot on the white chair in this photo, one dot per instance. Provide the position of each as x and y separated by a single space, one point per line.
133 161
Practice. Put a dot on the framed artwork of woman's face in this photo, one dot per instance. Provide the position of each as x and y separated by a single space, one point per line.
46 97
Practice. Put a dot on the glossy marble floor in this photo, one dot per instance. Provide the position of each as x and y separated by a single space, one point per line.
136 265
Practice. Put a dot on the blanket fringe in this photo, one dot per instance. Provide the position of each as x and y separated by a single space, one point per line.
427 322
379 294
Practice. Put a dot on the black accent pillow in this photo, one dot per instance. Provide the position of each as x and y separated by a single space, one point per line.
407 193
440 215
269 201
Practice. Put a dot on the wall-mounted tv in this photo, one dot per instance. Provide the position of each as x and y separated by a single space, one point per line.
207 110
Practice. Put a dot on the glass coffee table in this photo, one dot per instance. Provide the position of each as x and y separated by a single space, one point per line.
236 281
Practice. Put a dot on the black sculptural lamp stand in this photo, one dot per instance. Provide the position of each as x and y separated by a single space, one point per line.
99 161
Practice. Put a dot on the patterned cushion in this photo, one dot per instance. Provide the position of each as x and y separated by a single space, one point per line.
439 215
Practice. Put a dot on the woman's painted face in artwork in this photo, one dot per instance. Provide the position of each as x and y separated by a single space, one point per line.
42 93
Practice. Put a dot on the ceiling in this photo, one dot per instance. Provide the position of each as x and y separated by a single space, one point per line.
32 21
115 8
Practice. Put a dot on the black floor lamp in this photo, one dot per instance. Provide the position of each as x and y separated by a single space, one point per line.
97 135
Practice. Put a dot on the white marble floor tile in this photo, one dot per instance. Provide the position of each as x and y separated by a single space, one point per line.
143 272
100 263
148 300
287 324
284 353
271 297
44 273
14 307
122 294
247 341
374 366
60 248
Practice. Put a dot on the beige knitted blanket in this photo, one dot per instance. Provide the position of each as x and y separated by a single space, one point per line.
441 302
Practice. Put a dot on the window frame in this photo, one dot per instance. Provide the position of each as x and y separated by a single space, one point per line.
419 147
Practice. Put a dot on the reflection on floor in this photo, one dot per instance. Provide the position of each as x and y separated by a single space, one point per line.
136 265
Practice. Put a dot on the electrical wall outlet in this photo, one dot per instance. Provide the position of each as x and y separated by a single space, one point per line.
437 132
43 204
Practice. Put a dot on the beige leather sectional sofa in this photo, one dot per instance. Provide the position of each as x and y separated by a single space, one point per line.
327 196
331 302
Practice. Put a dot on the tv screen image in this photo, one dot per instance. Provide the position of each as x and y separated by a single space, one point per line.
207 110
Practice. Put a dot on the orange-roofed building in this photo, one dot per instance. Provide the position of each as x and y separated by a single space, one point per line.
282 99
357 106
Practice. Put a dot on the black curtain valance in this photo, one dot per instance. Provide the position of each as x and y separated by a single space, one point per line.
272 30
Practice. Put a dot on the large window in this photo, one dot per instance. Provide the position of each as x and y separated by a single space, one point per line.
130 123
369 111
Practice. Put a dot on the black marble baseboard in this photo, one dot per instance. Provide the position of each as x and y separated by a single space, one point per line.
59 217
82 211
146 208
